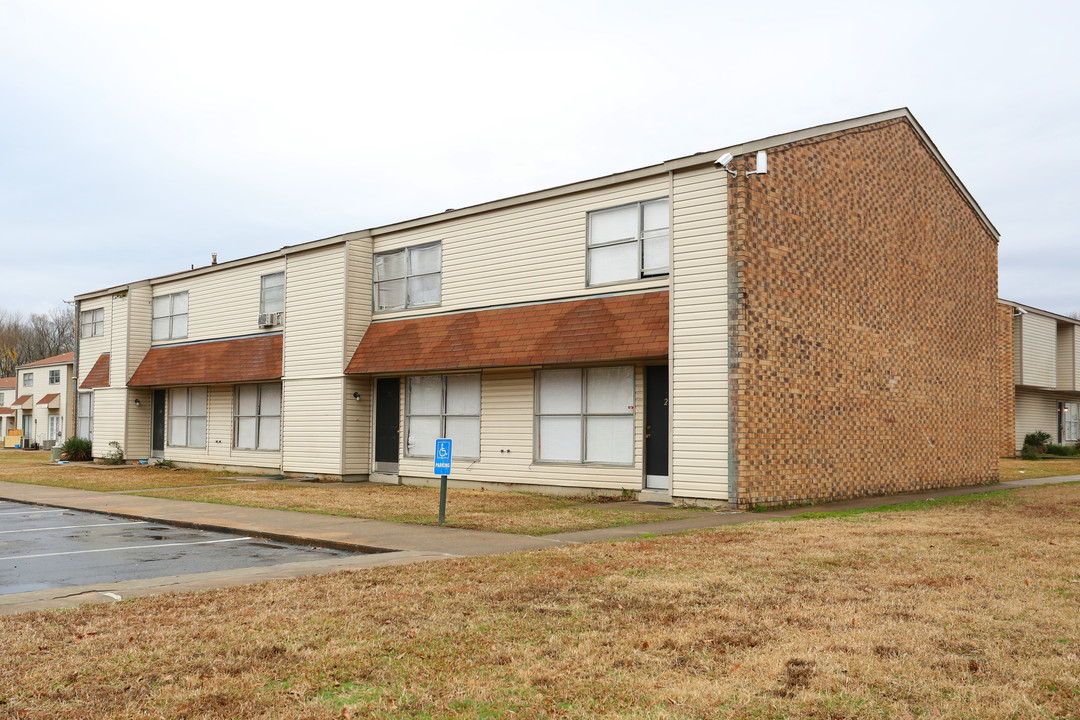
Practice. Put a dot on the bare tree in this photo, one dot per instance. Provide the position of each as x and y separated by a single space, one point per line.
1075 314
40 336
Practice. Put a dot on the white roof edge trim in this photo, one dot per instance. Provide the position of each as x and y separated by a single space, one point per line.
1040 312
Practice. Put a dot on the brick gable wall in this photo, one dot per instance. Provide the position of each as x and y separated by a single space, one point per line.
865 339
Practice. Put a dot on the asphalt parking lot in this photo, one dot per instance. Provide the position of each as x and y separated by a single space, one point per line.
44 548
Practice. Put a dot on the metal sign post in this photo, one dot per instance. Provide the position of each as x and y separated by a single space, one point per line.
443 457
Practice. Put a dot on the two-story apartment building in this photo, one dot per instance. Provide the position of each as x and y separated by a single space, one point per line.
747 325
7 400
43 405
1045 375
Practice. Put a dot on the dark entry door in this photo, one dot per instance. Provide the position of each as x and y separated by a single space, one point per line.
158 445
656 427
387 418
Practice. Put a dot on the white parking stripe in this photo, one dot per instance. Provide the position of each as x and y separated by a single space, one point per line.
131 547
31 512
68 527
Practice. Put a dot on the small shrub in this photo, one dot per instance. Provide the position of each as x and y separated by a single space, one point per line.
1061 450
166 464
114 456
1029 452
1039 440
77 449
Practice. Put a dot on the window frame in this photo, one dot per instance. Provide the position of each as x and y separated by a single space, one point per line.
94 319
258 416
583 414
187 417
262 293
28 379
55 373
85 413
1070 418
407 251
638 240
443 415
171 316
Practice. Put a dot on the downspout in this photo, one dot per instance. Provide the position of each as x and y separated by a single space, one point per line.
75 374
734 316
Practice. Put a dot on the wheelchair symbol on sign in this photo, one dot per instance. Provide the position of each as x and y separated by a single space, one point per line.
442 452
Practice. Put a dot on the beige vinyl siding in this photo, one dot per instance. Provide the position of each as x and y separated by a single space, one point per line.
699 336
109 419
314 343
219 437
1066 357
357 439
521 254
223 303
506 442
312 412
1018 350
358 295
1036 411
138 423
138 330
90 349
1039 348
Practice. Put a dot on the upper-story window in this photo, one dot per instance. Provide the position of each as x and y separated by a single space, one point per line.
410 277
170 316
628 242
28 380
1 399
92 323
272 294
54 377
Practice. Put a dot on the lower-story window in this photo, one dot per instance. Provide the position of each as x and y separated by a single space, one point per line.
1070 422
585 415
85 425
258 417
443 406
187 417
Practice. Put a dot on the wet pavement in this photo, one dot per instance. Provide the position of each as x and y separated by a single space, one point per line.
46 548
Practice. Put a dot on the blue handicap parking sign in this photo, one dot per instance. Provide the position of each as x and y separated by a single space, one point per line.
443 455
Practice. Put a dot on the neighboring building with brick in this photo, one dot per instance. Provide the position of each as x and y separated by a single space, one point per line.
824 328
43 405
1045 375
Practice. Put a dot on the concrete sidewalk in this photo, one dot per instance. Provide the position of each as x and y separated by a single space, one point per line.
389 543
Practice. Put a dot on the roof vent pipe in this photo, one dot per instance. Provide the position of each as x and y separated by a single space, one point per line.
213 258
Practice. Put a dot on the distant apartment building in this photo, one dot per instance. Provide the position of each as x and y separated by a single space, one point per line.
1045 365
43 404
751 329
7 411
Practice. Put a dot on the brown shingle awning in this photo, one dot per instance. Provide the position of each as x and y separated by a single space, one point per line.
51 400
603 329
241 360
98 375
23 400
7 411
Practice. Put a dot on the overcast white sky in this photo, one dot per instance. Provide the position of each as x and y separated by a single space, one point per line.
136 138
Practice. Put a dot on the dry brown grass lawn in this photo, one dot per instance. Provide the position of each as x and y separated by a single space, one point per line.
10 458
85 476
1016 469
522 513
960 611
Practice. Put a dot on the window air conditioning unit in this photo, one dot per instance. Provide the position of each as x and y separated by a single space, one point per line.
270 319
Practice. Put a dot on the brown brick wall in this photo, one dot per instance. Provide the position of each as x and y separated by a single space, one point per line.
864 331
1006 386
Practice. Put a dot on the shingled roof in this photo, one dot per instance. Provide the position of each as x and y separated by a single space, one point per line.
602 329
250 359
